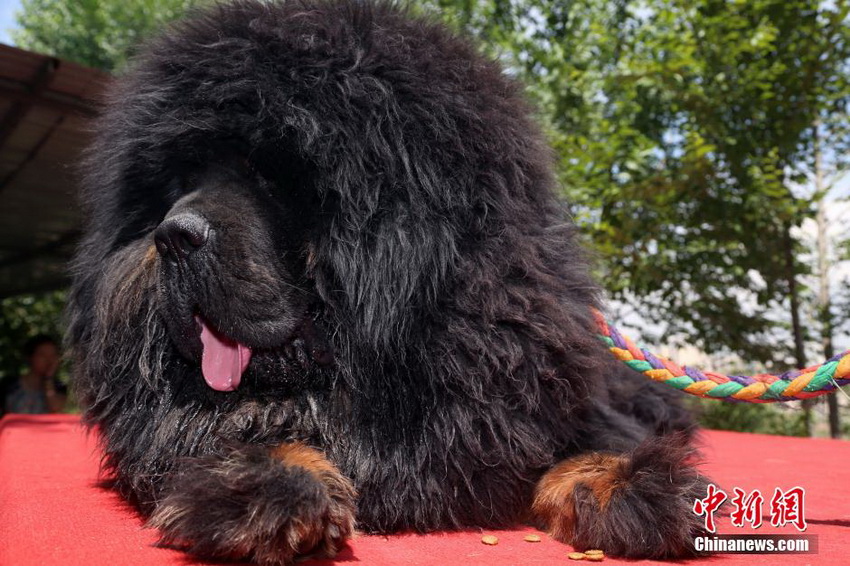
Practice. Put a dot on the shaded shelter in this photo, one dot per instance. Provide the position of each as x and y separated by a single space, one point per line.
45 104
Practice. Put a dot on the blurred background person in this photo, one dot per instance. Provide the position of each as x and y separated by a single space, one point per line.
37 390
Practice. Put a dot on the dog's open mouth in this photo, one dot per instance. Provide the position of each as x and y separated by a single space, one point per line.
223 360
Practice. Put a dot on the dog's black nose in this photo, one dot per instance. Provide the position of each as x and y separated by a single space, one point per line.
178 236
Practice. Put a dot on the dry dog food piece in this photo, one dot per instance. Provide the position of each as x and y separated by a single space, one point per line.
489 539
531 538
594 552
576 556
594 557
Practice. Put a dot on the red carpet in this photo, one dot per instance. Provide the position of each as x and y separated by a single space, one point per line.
52 513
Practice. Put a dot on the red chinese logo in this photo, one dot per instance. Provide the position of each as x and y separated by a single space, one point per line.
788 507
785 507
747 508
709 505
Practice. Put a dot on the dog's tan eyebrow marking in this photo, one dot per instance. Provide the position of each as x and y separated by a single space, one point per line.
150 256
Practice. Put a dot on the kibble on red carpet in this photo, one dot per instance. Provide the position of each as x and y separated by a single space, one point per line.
52 511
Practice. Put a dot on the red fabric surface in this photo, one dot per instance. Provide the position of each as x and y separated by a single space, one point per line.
52 512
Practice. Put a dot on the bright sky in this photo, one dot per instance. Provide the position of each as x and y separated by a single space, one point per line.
7 18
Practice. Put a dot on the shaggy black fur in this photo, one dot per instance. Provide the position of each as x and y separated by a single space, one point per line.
270 512
363 201
635 504
651 515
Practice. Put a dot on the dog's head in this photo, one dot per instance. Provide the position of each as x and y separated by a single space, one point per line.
233 255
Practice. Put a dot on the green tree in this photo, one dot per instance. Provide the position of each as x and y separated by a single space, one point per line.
680 126
97 33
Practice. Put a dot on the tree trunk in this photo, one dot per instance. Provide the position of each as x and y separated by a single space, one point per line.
824 302
796 328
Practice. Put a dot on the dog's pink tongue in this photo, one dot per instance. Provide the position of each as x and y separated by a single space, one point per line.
223 360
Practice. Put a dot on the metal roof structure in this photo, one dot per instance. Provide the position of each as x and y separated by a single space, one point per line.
45 104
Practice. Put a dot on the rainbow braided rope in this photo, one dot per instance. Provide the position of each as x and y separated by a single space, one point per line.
759 388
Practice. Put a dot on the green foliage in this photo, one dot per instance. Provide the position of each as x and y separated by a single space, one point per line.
681 126
23 317
97 33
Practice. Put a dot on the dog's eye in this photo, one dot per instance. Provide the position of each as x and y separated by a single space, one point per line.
175 189
181 183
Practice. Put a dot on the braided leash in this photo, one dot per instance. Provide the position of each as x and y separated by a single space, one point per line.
759 388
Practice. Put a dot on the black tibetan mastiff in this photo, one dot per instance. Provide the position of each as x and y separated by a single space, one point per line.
326 285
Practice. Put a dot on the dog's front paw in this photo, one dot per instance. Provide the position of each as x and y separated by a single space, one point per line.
634 505
254 503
